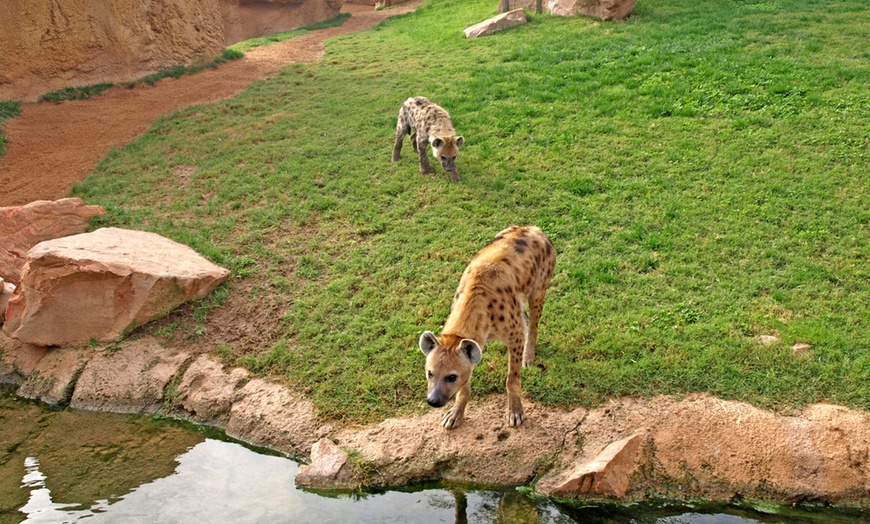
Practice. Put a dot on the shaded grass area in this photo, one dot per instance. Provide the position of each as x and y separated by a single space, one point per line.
8 109
287 35
700 168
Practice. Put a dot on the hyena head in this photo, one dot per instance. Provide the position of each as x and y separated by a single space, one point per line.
445 150
449 364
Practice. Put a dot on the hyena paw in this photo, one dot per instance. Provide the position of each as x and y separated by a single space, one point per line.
516 416
454 177
528 361
451 418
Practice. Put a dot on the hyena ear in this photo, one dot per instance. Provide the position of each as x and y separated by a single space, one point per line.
428 342
469 349
459 141
437 142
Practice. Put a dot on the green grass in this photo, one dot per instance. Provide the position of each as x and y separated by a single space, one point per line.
701 169
76 93
179 71
287 35
8 109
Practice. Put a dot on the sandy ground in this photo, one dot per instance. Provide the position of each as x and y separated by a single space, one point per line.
53 146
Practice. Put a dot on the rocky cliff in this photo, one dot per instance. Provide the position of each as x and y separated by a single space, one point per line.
45 46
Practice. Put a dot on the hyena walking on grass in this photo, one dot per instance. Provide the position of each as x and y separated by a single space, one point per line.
428 123
507 275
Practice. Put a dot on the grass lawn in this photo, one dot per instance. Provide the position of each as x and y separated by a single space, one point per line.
701 168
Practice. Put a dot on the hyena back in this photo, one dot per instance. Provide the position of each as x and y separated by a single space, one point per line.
508 275
428 123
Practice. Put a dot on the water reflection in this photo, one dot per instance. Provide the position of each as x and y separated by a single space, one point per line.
219 481
73 466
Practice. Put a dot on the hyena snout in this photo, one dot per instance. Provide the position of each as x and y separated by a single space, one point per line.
446 151
436 399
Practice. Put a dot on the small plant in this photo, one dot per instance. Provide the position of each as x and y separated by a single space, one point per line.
8 109
76 93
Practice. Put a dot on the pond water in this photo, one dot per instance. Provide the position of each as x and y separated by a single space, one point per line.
75 466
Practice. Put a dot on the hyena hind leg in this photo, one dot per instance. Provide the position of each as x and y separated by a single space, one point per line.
414 140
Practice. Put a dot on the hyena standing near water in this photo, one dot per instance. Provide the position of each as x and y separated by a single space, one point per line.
431 125
507 275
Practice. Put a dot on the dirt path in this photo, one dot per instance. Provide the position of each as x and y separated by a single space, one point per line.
53 146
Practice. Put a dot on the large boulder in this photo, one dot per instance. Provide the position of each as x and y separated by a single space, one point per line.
603 9
497 23
97 286
6 290
22 227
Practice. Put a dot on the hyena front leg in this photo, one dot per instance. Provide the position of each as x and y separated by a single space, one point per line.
424 156
536 305
515 413
454 415
401 131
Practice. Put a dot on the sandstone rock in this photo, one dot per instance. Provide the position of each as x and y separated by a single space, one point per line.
22 227
497 23
603 9
130 378
482 449
270 415
799 348
17 359
6 291
97 286
46 46
244 19
54 376
328 467
608 475
207 392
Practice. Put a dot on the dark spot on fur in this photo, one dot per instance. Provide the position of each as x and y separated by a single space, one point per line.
501 307
521 242
501 318
519 249
499 290
489 306
549 248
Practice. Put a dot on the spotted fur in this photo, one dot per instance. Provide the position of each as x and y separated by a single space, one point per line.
428 123
504 278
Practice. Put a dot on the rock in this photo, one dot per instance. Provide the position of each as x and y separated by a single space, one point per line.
270 415
129 378
800 348
46 46
54 376
603 9
6 291
17 359
482 449
608 475
497 23
22 227
244 19
97 286
328 468
207 392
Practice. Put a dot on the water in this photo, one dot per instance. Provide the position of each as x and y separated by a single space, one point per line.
72 466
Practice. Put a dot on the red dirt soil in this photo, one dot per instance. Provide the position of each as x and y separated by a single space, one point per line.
53 146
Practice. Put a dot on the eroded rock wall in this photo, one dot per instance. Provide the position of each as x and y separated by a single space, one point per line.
46 46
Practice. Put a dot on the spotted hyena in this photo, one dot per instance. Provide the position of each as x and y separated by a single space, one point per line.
428 123
507 275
